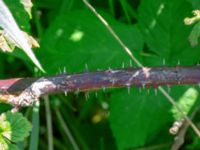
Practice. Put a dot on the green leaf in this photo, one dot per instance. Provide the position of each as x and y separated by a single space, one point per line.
195 34
6 145
140 116
195 3
72 43
186 102
161 23
13 128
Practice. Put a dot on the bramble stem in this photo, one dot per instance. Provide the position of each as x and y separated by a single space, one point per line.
24 91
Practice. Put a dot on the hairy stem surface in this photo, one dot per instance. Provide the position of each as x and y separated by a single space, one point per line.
24 91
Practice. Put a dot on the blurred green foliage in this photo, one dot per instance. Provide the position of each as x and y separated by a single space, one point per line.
71 36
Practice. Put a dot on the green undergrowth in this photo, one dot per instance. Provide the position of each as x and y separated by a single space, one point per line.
72 37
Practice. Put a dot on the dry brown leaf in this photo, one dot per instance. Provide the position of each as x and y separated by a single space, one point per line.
8 45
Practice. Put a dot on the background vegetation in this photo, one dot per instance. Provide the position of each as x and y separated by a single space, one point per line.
72 37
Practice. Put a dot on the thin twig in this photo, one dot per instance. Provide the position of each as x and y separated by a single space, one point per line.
180 138
113 33
128 51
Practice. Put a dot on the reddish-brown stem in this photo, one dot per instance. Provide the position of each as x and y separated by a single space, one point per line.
24 91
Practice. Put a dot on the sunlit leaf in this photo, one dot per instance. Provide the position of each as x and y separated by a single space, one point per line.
27 5
8 24
164 31
186 102
13 128
195 34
